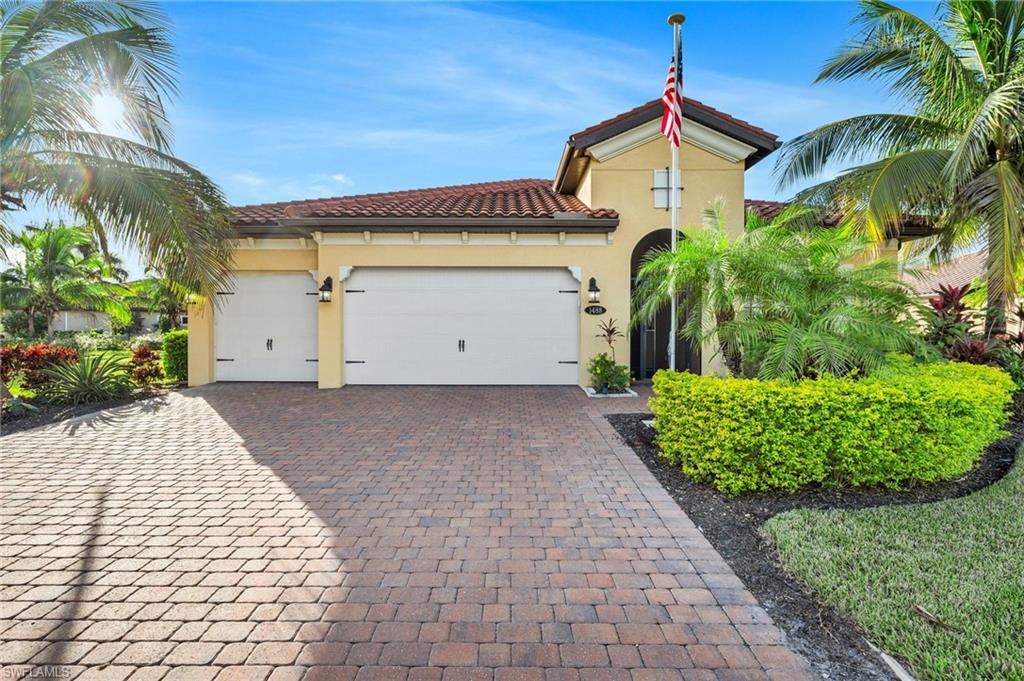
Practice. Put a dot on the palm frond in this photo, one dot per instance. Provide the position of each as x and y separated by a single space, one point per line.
854 140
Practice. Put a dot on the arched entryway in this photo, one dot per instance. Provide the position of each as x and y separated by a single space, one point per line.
648 343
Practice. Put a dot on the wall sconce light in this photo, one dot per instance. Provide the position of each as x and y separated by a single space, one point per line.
594 291
325 290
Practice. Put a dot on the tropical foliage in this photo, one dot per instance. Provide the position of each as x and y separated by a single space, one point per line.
164 296
952 329
93 378
781 301
29 362
957 152
609 334
58 268
57 59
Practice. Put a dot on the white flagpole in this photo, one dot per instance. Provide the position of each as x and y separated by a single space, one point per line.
676 21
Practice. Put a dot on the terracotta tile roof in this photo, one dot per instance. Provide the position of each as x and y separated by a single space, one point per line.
689 106
957 272
529 198
913 225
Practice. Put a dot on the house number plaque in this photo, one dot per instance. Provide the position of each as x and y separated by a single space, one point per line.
595 309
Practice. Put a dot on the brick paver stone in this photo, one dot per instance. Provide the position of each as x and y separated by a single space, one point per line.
260 531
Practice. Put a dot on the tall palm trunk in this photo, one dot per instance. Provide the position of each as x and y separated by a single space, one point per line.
997 299
31 312
730 355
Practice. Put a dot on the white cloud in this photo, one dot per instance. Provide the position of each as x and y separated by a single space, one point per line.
249 179
248 187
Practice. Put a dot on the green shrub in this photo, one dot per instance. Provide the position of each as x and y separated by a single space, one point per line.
93 378
908 422
175 355
153 340
16 407
607 376
14 323
89 341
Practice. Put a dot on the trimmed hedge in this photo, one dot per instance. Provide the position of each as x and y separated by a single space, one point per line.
175 355
905 423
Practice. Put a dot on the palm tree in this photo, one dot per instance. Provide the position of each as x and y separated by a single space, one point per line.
957 154
786 300
59 268
700 275
812 305
162 295
56 58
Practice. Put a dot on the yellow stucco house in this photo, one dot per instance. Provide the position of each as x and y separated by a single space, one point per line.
489 283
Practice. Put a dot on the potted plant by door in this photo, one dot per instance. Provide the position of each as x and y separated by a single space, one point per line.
608 378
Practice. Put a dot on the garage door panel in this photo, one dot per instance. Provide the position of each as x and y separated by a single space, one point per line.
276 306
405 325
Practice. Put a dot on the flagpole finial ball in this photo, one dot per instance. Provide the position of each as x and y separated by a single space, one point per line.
676 19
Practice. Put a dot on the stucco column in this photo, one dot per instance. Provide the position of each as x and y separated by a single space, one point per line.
200 343
330 353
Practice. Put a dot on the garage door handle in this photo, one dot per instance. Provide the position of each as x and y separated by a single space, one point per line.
270 344
462 346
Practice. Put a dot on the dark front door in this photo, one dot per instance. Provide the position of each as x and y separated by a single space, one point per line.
649 340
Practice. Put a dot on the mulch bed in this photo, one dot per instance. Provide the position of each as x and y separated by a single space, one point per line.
833 645
55 413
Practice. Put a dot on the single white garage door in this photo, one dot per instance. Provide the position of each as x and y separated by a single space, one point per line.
265 328
464 326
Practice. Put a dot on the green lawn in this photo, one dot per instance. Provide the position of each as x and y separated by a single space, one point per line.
961 559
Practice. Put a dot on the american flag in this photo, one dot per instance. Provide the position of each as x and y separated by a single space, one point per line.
672 105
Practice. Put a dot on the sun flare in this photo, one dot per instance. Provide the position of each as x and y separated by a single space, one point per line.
108 110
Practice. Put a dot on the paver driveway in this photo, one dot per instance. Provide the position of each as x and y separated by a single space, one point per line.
257 531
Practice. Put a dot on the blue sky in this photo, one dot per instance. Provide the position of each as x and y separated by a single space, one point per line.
284 101
289 101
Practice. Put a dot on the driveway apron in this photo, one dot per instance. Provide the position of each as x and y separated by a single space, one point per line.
274 531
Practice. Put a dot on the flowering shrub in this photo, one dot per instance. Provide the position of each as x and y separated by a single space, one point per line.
31 360
146 368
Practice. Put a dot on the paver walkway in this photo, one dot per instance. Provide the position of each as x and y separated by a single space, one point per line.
257 531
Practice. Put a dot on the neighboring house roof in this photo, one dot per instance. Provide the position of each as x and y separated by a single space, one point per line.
957 272
765 142
531 201
912 226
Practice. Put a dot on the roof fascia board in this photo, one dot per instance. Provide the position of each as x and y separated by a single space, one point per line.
305 226
698 135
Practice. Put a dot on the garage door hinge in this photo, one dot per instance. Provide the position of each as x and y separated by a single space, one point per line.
355 361
224 359
225 293
312 293
312 360
568 290
355 290
563 361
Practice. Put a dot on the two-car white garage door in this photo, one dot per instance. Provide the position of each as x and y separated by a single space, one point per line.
468 326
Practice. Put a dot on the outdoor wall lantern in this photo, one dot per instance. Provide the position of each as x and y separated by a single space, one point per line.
325 290
595 292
